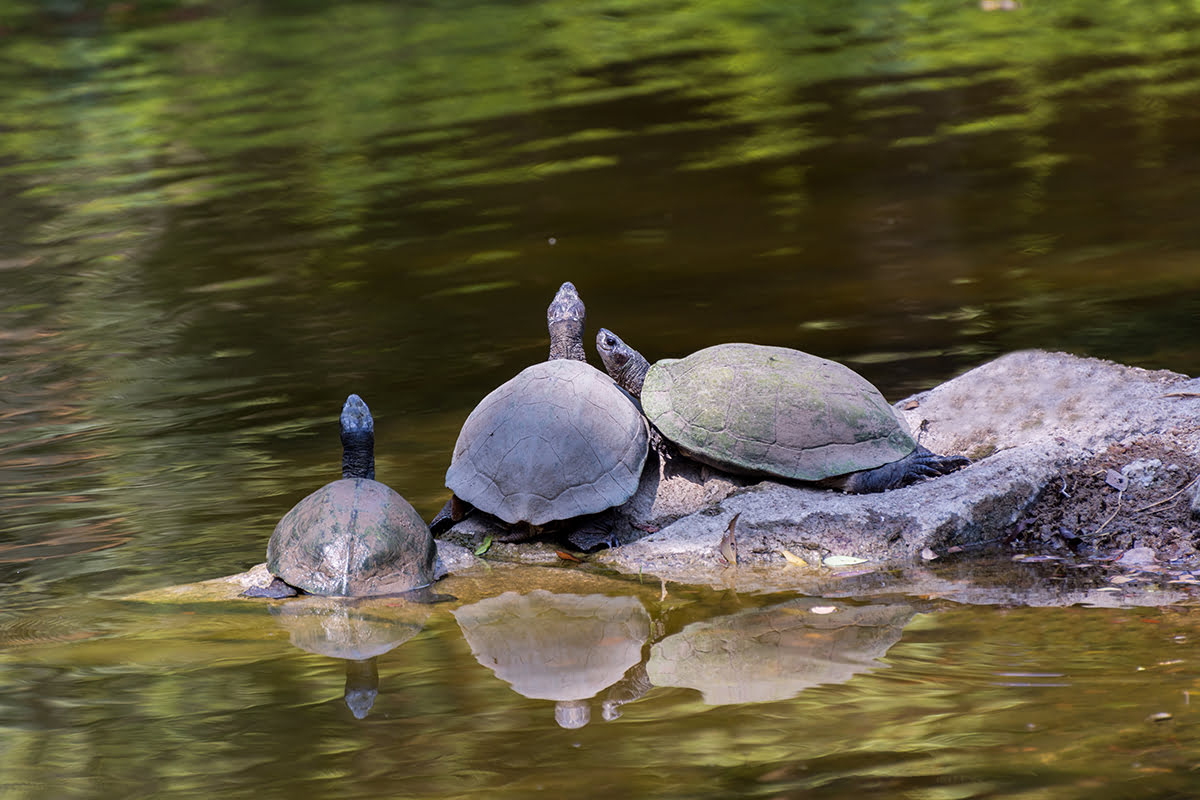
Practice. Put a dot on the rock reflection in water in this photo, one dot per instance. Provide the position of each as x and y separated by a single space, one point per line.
357 633
561 647
775 653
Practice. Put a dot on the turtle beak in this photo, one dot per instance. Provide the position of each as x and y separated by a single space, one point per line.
606 340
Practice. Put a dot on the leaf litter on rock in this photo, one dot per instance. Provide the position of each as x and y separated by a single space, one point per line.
728 545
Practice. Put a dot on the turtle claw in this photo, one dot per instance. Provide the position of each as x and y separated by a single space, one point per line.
948 464
917 466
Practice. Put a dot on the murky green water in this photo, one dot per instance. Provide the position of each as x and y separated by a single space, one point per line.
216 220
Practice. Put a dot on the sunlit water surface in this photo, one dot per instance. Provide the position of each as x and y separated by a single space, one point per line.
216 220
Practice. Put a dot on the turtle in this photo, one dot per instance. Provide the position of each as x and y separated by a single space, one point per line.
775 412
354 537
558 441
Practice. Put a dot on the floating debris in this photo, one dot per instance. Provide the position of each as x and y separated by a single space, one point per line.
729 543
843 561
792 558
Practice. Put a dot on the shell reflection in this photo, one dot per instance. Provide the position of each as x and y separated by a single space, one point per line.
562 647
775 653
357 633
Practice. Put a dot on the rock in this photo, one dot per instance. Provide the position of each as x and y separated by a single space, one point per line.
1193 495
678 488
1040 427
1023 418
1143 471
1138 557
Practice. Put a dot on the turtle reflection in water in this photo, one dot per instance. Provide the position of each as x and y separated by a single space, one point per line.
775 653
561 647
351 538
358 635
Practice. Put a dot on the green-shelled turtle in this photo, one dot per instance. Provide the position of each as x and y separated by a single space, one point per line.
772 411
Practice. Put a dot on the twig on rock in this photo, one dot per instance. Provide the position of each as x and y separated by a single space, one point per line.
1104 524
1168 499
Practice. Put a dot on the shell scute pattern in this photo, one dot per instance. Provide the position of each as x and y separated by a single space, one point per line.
557 441
352 537
773 411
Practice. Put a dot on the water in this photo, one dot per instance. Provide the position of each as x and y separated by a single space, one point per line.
218 220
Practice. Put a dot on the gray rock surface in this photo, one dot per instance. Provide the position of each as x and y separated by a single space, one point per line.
1023 418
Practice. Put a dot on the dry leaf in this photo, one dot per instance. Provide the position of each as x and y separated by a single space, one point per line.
843 561
1116 480
792 558
928 554
729 542
565 556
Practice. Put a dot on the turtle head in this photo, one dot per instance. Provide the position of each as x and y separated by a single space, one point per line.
358 439
565 318
624 365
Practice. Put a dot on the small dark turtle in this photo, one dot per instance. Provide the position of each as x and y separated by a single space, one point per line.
558 441
354 537
771 411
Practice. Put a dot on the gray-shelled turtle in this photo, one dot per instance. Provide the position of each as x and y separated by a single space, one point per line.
354 537
772 411
558 441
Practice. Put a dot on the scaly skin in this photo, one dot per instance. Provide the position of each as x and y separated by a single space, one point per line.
565 318
624 365
358 439
918 465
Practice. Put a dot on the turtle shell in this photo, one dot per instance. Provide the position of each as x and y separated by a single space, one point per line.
559 440
352 538
762 410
